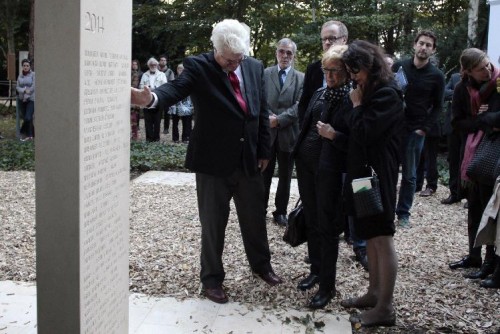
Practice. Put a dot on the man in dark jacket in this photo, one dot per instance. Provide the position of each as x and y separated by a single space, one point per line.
229 149
424 102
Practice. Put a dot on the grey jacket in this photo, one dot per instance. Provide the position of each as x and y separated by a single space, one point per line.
284 102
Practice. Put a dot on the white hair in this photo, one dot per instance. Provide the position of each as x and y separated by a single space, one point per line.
152 60
230 35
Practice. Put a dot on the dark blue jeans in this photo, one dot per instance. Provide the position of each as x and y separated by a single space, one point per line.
27 111
410 157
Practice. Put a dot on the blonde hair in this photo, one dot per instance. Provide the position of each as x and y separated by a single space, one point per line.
335 52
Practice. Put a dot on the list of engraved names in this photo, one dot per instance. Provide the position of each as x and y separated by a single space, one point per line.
105 137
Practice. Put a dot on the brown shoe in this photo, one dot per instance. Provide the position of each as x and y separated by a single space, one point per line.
270 278
216 294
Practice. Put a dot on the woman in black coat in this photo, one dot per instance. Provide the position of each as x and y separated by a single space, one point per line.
375 125
320 161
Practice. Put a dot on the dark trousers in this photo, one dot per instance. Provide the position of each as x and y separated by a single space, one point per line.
166 119
152 122
427 167
306 180
478 197
214 195
285 169
187 122
27 111
330 225
456 145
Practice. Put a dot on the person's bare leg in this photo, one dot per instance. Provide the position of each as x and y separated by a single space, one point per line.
369 299
387 263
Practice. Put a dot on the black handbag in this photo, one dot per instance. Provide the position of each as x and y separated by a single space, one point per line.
485 164
296 231
367 200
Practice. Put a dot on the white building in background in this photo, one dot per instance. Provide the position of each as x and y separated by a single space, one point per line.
493 32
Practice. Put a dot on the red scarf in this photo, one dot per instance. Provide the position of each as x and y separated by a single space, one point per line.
479 96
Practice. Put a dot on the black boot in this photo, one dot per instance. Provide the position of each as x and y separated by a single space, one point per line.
493 282
487 268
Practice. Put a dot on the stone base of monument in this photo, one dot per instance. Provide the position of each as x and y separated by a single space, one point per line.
150 315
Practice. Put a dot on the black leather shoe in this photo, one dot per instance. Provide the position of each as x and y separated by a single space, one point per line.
487 268
320 299
308 282
270 278
466 262
450 200
281 220
490 283
215 294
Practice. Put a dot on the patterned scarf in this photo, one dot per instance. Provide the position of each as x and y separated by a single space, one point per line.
336 94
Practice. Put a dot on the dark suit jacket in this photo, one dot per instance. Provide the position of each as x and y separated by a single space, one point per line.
283 102
312 81
223 137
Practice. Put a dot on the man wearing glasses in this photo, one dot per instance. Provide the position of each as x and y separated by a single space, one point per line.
229 149
332 33
283 88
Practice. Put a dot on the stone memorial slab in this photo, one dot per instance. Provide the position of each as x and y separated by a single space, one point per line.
82 152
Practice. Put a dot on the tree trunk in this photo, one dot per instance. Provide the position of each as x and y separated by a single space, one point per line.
31 43
473 13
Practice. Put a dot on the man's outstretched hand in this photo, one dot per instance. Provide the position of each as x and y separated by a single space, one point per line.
141 97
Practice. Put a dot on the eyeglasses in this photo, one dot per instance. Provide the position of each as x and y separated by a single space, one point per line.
285 52
331 70
331 39
230 61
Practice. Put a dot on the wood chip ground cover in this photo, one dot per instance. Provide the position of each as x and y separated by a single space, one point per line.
165 245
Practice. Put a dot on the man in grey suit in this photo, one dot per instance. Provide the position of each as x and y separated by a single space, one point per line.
229 149
283 88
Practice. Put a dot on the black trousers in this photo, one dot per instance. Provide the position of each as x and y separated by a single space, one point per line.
214 195
456 143
306 180
331 224
166 119
152 122
427 167
187 124
478 197
285 170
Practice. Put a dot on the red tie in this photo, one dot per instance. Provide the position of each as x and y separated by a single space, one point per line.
233 78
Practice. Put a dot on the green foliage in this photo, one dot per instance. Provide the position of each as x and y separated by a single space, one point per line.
444 175
159 156
17 155
182 27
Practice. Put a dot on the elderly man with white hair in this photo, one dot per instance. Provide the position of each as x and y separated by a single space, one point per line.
228 150
152 116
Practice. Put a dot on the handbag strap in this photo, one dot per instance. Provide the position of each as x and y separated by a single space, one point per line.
298 202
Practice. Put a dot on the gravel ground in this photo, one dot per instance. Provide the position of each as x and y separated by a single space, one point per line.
164 258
